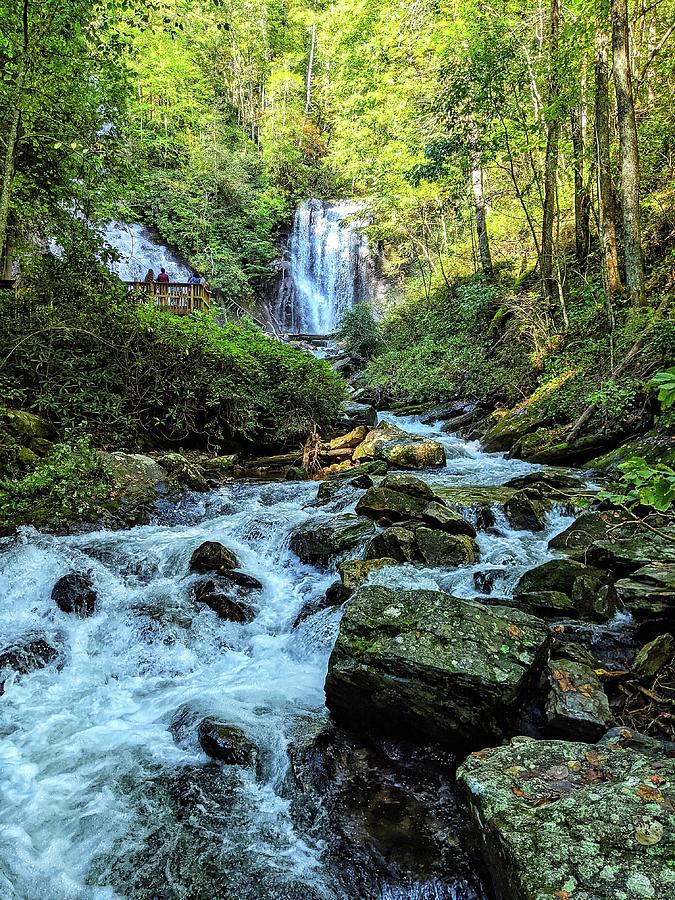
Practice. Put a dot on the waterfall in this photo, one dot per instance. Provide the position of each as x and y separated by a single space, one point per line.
327 268
139 251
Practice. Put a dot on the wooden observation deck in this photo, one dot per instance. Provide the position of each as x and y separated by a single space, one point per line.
179 298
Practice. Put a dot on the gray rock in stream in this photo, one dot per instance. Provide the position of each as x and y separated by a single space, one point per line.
75 594
318 542
577 820
427 665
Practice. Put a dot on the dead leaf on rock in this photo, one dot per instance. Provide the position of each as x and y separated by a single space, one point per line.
517 792
514 631
657 779
593 758
482 754
574 765
564 681
586 690
649 794
561 895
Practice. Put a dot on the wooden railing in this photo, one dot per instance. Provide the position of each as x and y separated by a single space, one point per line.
176 297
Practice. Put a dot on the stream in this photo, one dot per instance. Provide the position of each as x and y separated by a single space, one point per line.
104 789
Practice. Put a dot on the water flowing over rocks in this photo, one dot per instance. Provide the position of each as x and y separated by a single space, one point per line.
225 611
425 664
319 542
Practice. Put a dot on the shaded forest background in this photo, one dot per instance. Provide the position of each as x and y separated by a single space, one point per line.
516 161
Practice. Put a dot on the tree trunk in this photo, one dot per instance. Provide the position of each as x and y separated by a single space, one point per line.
630 163
606 208
582 204
310 67
13 136
549 283
479 202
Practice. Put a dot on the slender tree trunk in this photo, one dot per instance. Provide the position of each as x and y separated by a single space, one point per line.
548 279
310 67
630 162
13 135
480 207
582 204
606 207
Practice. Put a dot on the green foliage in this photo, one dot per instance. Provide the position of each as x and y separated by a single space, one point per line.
644 485
359 332
664 382
134 374
69 482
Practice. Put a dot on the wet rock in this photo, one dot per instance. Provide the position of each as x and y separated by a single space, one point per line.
524 513
584 531
363 482
577 707
353 572
382 503
547 480
296 473
548 604
225 607
653 447
625 555
212 556
438 548
585 586
355 415
409 485
439 516
27 657
649 594
429 665
242 579
223 465
397 542
335 596
484 582
318 542
477 500
183 471
573 819
226 743
509 427
622 738
653 656
392 823
352 439
399 449
75 594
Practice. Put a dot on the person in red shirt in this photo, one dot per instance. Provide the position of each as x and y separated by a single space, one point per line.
163 278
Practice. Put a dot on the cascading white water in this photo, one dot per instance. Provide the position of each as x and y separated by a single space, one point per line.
140 251
99 799
327 270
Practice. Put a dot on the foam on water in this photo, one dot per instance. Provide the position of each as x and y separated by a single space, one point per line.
88 764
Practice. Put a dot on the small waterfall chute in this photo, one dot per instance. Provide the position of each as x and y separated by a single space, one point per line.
328 267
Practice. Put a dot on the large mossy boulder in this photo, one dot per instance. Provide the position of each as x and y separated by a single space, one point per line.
353 572
427 665
401 498
319 542
508 427
399 449
438 548
184 471
574 820
525 513
589 594
24 438
396 542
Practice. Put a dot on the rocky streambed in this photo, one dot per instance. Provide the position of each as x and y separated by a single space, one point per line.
396 682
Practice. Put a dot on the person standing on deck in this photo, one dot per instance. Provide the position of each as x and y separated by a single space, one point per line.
163 278
150 277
